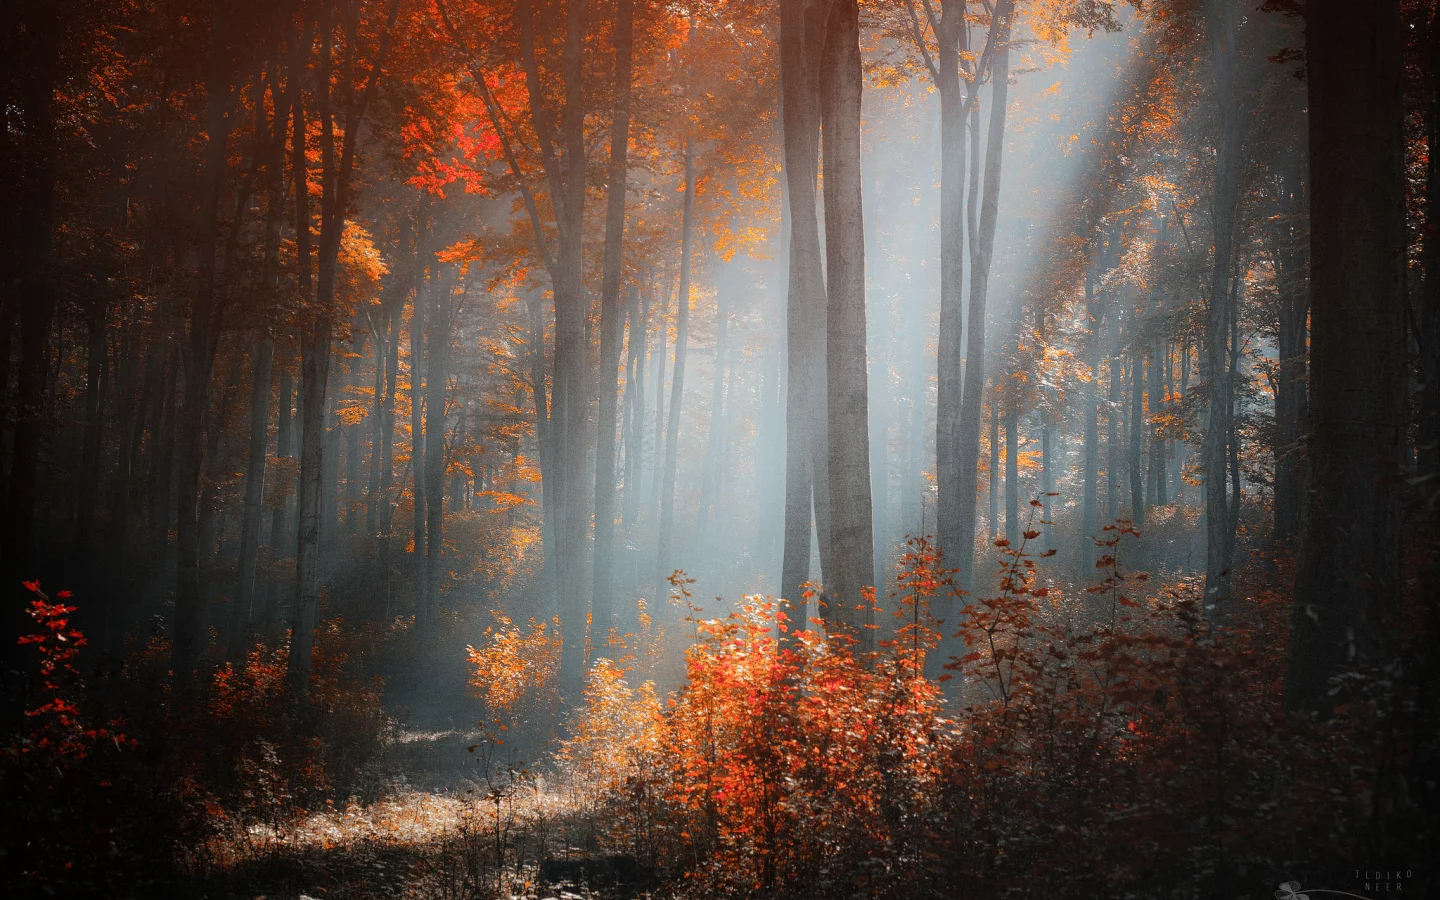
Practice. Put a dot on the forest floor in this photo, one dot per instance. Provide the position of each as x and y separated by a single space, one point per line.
454 813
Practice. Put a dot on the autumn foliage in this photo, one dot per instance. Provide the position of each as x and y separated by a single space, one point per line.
1106 742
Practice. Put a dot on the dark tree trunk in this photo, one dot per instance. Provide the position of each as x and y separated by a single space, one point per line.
437 368
242 607
602 604
1220 536
34 290
95 387
1348 571
200 344
1134 432
1288 255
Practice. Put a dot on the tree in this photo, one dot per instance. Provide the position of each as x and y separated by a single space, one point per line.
1348 565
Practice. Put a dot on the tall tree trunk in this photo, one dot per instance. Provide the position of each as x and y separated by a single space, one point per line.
963 556
992 494
1136 429
418 303
602 603
335 197
715 437
95 387
1114 454
437 369
1428 457
386 428
677 382
807 486
847 387
242 608
1348 572
35 291
1290 241
1158 480
657 473
950 393
1222 24
200 362
635 385
1012 469
1090 400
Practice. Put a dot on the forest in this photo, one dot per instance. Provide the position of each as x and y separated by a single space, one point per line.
469 449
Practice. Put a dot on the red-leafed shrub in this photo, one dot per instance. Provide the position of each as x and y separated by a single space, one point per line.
1108 741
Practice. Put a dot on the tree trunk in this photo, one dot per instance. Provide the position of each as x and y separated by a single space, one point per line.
1158 476
315 343
715 437
1290 388
949 396
807 484
1347 577
242 607
1220 536
635 384
963 556
677 382
418 303
1090 400
847 388
95 386
199 363
437 370
1012 470
35 291
611 313
1137 427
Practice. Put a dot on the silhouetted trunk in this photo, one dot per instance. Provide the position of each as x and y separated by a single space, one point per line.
1135 430
1090 399
1348 571
963 556
543 439
1113 408
242 606
34 291
1158 477
315 342
386 430
418 303
377 419
677 381
129 410
1288 257
199 355
437 368
992 493
95 386
1012 470
1428 457
1221 22
611 314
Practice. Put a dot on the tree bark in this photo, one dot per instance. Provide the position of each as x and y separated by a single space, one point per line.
437 370
807 485
847 378
200 347
1348 573
611 314
242 607
963 555
677 381
1220 536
